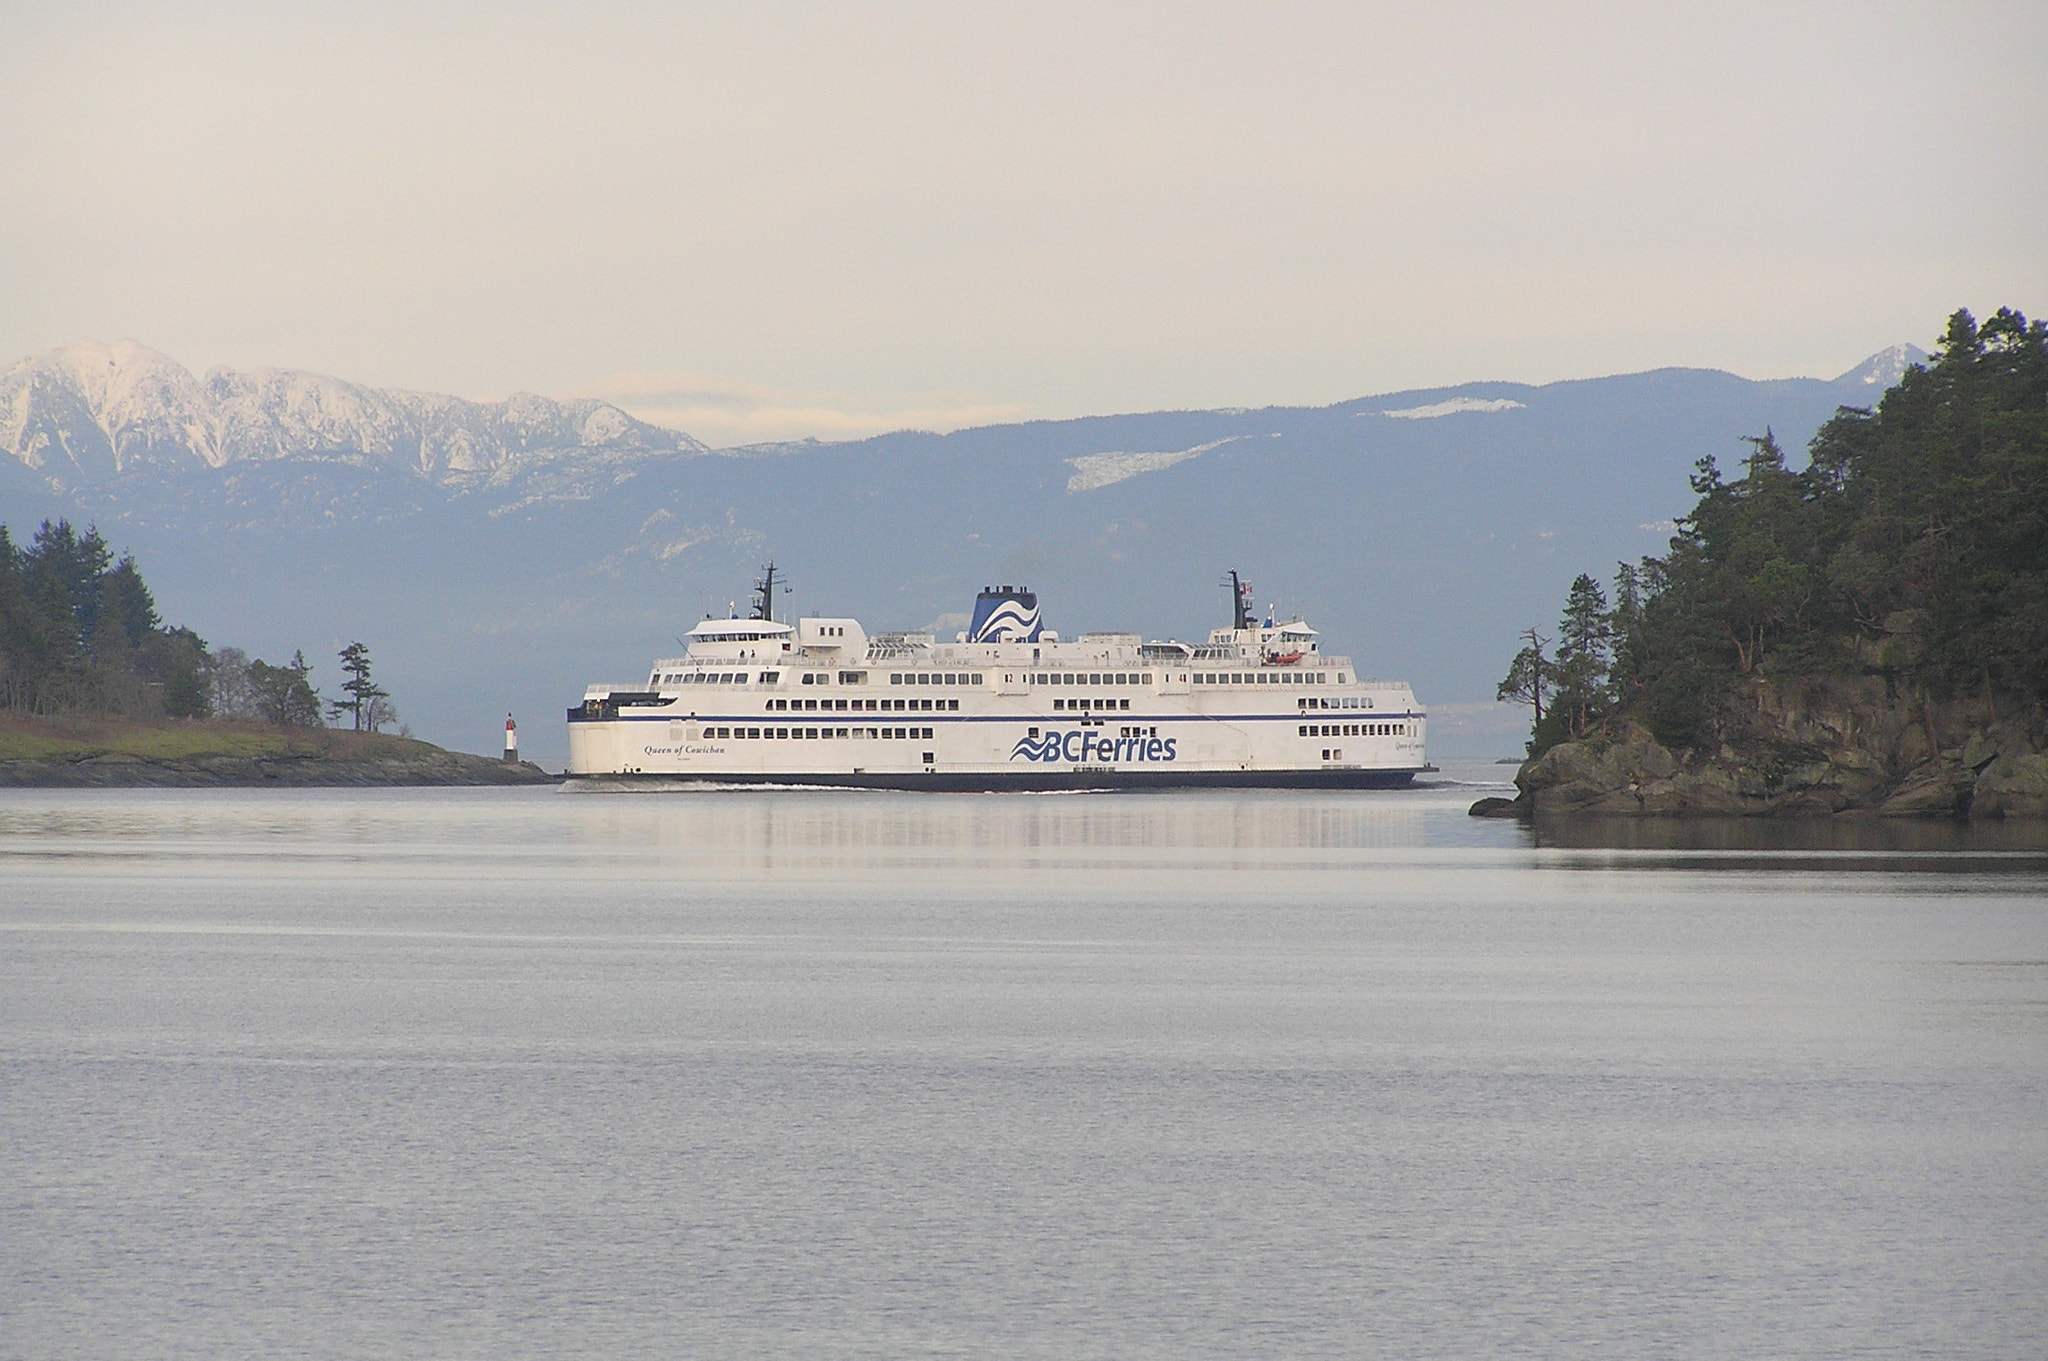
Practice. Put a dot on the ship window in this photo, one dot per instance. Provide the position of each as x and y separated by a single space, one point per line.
927 755
1326 753
974 679
1032 732
770 677
853 678
1058 705
753 733
952 704
1301 731
895 678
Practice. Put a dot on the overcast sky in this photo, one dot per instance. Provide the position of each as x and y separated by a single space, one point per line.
760 220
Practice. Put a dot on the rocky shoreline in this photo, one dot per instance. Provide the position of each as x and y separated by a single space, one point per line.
1815 750
447 768
121 754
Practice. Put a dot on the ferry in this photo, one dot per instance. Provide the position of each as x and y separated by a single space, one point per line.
1007 705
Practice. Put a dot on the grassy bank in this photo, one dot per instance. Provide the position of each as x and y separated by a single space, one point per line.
114 751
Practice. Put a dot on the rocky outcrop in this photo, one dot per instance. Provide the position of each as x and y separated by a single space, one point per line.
1824 748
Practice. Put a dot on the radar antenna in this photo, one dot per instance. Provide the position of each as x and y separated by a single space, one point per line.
1240 601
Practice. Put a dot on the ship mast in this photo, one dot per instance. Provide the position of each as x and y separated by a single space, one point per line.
1240 601
764 595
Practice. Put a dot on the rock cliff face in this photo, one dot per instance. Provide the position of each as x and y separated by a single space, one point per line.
1816 748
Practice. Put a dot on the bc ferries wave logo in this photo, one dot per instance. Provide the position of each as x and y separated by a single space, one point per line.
1085 746
1004 616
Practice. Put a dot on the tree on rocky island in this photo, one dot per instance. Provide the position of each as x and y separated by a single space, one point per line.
1910 554
284 694
79 633
1529 678
366 703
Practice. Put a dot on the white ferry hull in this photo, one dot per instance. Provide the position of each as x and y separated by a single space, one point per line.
762 703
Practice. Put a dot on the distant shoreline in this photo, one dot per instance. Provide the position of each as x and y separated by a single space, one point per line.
39 753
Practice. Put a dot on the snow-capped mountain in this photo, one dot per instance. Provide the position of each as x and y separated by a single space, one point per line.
86 413
498 557
1885 368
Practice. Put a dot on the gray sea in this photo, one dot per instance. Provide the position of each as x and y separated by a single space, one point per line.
508 1073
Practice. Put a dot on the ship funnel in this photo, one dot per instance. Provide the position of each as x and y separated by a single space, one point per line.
1003 615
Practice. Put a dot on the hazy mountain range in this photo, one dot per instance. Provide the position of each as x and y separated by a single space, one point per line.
498 555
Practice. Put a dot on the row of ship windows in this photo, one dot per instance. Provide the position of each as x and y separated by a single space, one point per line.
975 678
1062 705
1266 678
1091 678
1355 730
764 734
869 705
1348 702
715 678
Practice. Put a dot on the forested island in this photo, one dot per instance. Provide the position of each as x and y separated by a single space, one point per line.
95 689
1866 634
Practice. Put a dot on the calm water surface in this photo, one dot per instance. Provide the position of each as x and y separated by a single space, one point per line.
521 1073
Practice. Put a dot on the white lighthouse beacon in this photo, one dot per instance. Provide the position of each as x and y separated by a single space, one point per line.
511 741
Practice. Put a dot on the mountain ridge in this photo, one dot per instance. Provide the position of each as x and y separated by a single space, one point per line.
86 412
1422 543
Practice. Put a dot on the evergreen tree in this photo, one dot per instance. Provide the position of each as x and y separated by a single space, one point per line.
1529 680
1581 666
1913 545
364 698
284 694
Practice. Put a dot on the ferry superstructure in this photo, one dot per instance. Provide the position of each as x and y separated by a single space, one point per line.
1007 705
